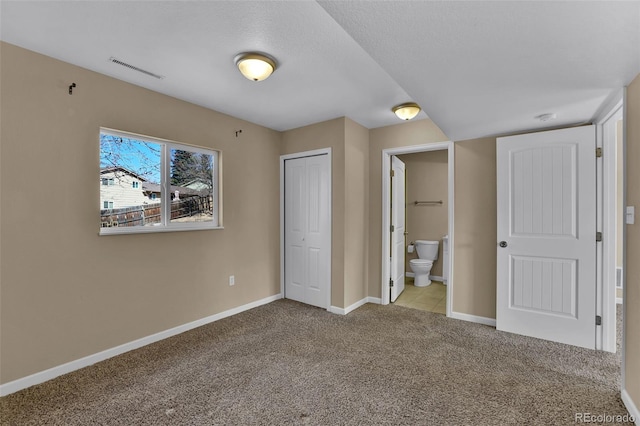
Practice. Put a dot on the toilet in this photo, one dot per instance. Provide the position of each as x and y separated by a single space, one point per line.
421 267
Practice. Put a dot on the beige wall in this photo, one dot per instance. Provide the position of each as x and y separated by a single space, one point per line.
474 267
56 307
349 143
356 247
474 289
328 134
632 291
427 180
399 135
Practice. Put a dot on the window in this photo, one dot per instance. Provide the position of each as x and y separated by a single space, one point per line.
159 185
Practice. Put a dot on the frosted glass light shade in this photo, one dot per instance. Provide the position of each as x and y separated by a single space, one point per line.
255 66
406 111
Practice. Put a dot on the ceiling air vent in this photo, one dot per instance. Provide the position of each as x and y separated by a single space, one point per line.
132 67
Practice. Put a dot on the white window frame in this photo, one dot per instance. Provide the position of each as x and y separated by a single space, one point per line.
165 224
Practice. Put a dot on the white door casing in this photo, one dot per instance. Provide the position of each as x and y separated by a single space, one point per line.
398 206
386 219
307 228
608 217
547 235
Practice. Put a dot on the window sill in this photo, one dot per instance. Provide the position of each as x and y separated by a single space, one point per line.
155 229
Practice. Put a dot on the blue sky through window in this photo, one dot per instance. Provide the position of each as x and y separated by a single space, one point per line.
139 156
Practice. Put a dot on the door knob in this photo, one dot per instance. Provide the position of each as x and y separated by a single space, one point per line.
503 244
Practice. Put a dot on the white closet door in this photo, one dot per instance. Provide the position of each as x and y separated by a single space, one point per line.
308 230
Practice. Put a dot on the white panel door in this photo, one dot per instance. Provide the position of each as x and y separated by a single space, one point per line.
307 230
546 251
398 205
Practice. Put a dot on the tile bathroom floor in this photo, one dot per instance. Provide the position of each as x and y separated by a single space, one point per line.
432 298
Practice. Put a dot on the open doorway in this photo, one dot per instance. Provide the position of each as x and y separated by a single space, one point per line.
425 242
387 217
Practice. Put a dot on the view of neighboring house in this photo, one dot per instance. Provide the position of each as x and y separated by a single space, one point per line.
198 184
120 188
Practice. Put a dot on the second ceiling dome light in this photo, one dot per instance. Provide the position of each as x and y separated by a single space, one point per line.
406 111
255 66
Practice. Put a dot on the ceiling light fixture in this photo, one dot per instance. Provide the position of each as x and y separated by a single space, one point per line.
255 66
406 111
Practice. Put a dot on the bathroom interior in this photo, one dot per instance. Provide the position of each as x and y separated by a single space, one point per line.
427 227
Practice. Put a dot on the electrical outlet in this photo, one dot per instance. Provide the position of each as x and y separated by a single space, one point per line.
232 279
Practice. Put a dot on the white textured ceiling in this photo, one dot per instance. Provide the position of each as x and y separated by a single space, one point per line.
485 68
477 68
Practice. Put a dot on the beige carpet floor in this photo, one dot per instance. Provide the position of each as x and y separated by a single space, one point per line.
289 364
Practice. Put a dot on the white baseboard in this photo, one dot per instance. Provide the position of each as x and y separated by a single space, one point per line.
51 373
618 300
631 407
473 318
353 307
409 274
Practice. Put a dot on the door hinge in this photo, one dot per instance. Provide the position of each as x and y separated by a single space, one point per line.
393 173
392 228
598 320
598 236
390 282
598 152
